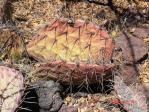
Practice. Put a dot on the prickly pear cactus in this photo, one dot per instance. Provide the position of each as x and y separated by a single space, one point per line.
11 89
10 45
75 51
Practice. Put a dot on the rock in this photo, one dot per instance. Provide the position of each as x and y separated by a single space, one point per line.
68 109
132 97
131 49
48 95
141 32
129 73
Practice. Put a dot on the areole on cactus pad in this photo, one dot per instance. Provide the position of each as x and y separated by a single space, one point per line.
75 51
11 89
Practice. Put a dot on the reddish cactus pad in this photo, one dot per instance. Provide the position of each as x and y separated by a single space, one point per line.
11 89
73 45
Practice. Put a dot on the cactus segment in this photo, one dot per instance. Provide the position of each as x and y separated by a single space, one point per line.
11 89
70 73
10 44
74 43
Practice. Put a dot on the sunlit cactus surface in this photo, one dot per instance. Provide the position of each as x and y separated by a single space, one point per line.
11 89
73 49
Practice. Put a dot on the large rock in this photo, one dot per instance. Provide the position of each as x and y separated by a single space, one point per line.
129 48
49 95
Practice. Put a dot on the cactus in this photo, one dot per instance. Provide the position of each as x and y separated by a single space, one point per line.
10 45
11 89
76 51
